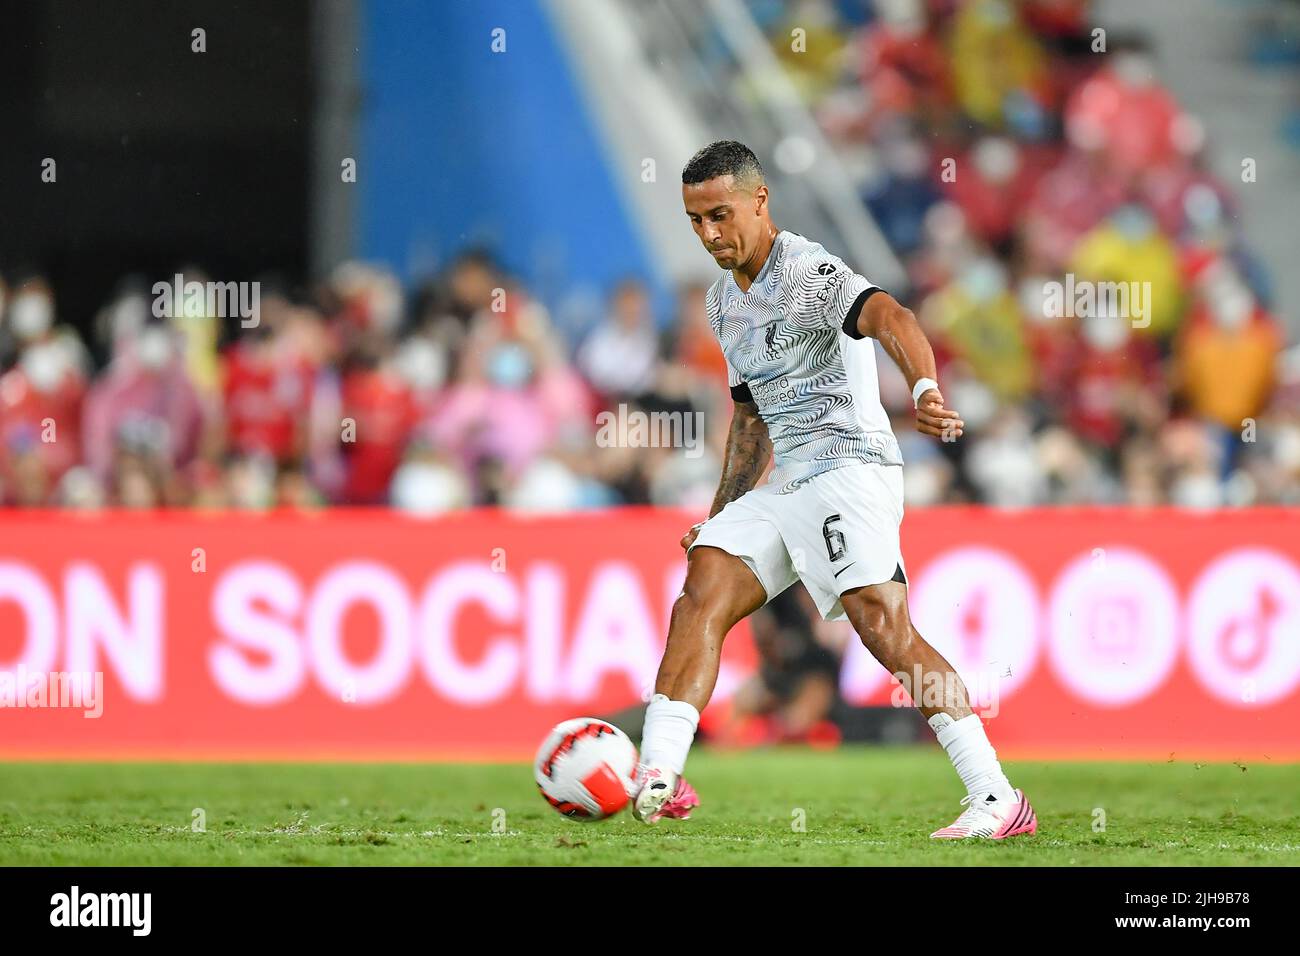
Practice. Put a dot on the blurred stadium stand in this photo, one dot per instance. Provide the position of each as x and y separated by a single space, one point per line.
1069 161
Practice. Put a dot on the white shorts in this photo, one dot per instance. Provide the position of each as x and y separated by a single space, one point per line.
836 532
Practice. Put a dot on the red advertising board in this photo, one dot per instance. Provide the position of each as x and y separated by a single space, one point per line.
369 635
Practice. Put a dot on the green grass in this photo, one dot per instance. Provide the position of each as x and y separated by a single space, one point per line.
862 806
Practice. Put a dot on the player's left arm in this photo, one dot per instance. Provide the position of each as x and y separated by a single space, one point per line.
882 318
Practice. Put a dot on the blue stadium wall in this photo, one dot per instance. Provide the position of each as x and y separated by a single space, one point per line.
460 146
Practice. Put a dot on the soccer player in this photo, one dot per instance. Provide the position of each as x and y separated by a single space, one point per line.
792 320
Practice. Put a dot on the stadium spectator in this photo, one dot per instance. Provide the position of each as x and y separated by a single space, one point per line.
978 317
1128 249
40 396
620 356
143 406
267 393
1228 354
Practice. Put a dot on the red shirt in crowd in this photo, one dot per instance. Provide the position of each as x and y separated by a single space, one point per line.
24 412
267 399
385 412
1101 387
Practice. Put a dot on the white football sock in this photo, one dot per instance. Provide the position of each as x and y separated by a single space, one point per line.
668 732
972 756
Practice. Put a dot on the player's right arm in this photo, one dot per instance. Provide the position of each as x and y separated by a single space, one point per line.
749 448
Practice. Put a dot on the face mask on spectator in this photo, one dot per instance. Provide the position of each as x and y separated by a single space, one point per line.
994 13
906 158
385 303
1025 116
1232 306
1105 333
509 367
983 279
1033 300
1134 69
31 316
996 159
904 16
153 348
422 364
1133 222
128 315
44 366
1202 207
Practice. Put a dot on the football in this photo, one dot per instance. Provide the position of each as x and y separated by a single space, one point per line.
585 769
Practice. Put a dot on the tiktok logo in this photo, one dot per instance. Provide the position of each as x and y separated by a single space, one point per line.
1244 640
1244 627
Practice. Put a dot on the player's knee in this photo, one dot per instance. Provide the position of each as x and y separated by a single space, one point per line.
695 608
706 594
872 625
686 608
881 622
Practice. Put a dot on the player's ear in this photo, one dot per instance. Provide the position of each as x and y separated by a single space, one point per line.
760 198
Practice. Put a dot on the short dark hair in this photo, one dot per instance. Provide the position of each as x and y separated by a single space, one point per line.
726 157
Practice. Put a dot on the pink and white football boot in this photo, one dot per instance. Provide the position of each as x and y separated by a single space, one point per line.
989 818
662 793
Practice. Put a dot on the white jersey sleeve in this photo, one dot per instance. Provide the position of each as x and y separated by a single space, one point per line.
827 291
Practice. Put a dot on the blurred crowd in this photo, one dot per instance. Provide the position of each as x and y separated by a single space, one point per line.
999 152
458 393
1010 152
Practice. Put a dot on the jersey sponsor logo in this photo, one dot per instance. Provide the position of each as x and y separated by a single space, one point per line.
773 392
832 283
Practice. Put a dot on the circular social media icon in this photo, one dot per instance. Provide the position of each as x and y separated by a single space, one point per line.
1113 626
1244 627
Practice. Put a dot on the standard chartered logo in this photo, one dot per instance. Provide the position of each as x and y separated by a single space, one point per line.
775 390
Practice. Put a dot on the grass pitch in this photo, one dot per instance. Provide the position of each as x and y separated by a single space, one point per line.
858 806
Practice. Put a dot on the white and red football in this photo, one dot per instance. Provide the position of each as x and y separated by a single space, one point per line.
585 769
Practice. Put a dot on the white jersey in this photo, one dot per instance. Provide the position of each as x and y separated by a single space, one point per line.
787 347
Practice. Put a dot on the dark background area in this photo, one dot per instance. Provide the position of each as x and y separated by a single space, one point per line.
165 157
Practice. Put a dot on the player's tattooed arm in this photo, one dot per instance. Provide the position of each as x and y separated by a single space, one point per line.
748 450
900 335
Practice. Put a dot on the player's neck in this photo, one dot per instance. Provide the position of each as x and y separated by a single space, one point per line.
749 271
